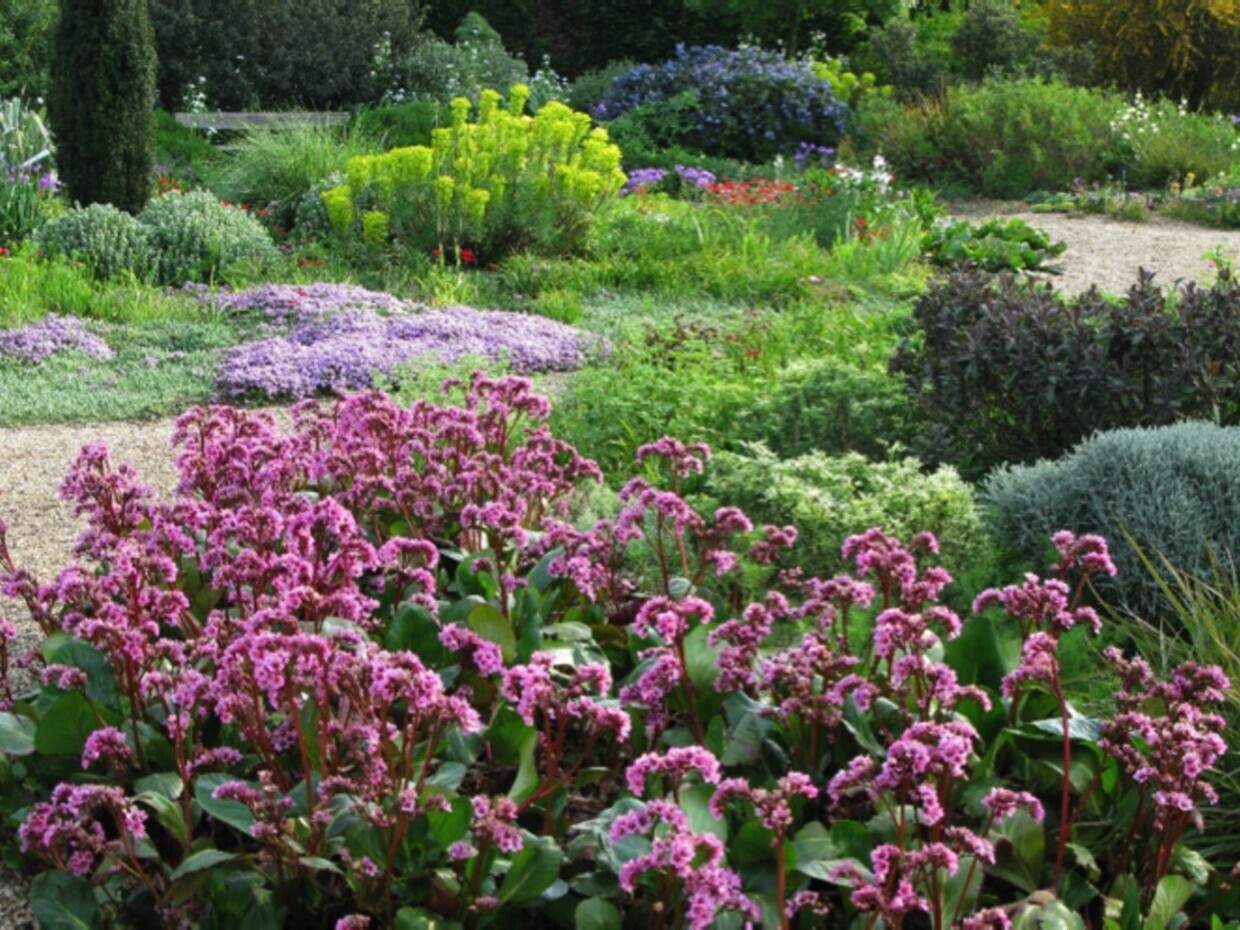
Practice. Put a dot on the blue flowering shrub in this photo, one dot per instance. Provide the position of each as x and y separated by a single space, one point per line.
749 104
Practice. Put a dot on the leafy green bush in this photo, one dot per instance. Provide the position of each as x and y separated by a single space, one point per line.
588 88
1005 373
829 498
895 54
394 125
1007 138
264 56
829 405
992 38
1175 490
111 243
181 150
996 245
25 47
500 183
441 71
194 237
1160 143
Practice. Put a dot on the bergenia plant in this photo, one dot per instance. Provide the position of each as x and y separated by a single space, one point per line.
367 673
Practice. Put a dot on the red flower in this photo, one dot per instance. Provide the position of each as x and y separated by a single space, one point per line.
467 256
4 253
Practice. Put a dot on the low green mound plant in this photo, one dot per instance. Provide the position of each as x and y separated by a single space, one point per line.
832 497
195 237
502 182
995 245
1168 493
831 406
1007 372
111 242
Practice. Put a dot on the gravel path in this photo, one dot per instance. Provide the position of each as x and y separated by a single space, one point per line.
33 460
1108 252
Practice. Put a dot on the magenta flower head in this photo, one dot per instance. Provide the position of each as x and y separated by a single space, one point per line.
1003 803
675 765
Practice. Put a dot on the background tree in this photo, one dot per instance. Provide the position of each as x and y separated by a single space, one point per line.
25 44
1186 49
100 108
272 54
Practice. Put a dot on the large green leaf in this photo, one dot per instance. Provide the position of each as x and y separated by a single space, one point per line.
1020 847
233 813
487 621
202 860
1170 896
66 724
597 914
61 901
533 871
415 630
101 684
17 734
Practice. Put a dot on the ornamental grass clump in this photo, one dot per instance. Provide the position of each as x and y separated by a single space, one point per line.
342 337
364 674
502 182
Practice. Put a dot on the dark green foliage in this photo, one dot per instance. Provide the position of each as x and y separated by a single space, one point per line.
999 139
399 124
828 405
268 54
1175 490
25 47
180 150
580 36
592 86
990 39
103 84
1007 373
895 55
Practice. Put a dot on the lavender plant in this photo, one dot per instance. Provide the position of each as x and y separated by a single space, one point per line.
366 674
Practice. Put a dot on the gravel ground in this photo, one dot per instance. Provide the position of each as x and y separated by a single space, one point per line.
1109 252
33 460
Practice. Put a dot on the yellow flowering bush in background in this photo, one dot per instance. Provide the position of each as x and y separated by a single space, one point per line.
501 182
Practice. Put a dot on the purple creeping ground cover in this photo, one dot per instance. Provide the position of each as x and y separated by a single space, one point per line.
53 334
340 336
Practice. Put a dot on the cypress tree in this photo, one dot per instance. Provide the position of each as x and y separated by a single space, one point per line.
100 107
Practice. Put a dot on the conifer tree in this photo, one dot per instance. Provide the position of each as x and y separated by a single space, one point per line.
100 107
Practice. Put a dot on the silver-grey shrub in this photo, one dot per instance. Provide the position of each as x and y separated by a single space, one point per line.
194 237
108 240
1174 489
